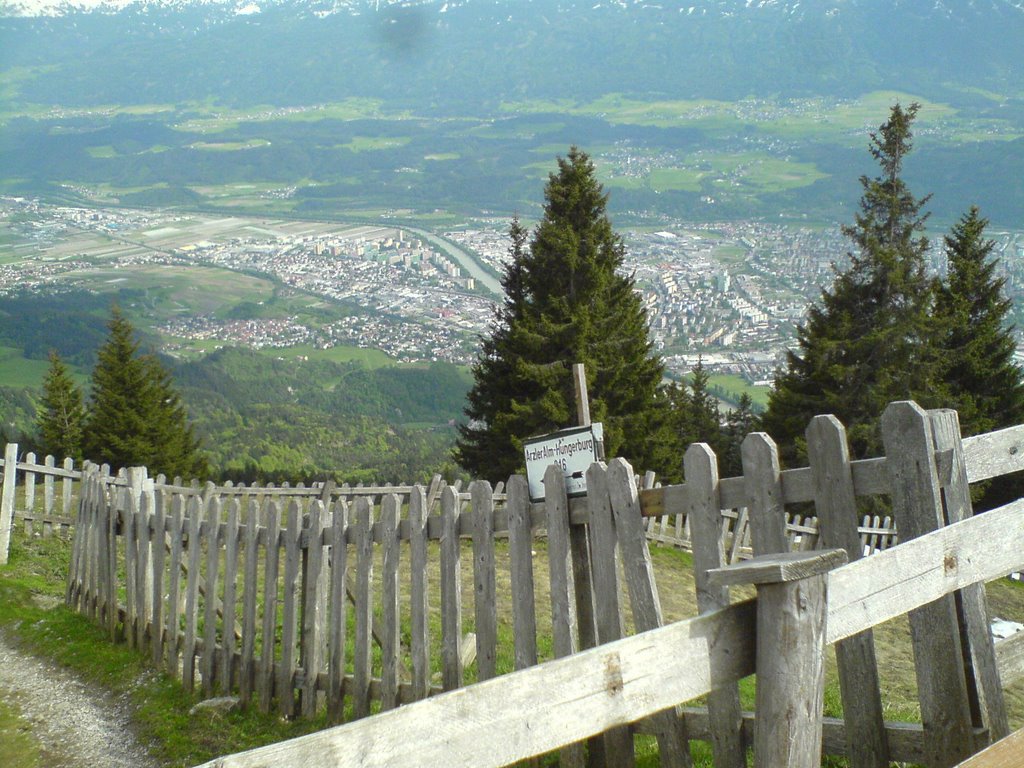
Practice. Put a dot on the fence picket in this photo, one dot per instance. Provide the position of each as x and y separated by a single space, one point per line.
337 629
673 743
935 633
484 580
173 582
156 619
246 668
210 533
390 646
129 512
144 571
265 671
451 591
615 747
564 637
988 708
836 505
226 671
289 613
520 548
188 653
363 607
312 609
707 526
419 641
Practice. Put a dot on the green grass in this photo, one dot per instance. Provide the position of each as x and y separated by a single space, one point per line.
371 358
737 385
20 749
18 371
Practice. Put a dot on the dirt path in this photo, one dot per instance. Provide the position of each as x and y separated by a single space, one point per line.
75 725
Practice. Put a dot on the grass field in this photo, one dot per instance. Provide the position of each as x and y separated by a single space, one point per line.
36 570
18 371
737 385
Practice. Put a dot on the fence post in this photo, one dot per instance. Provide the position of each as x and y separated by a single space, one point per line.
704 514
7 500
836 506
988 707
934 629
791 610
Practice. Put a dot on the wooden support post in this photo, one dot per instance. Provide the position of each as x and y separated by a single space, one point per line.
579 378
791 611
836 506
7 500
704 512
988 707
934 629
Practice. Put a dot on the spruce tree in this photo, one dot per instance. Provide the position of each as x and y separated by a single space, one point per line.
566 302
60 419
135 417
740 422
976 338
869 340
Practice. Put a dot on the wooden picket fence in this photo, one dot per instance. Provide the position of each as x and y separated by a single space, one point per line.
353 599
604 687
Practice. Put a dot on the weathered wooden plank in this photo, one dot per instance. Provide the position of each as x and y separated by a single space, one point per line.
338 627
484 580
265 671
226 670
72 584
934 629
886 585
159 571
419 640
211 536
995 453
144 572
247 659
177 535
763 484
503 720
836 505
289 613
30 486
564 637
703 511
131 573
673 744
66 486
195 516
451 591
1010 658
364 607
985 690
311 660
1004 754
615 747
520 551
790 672
48 486
390 647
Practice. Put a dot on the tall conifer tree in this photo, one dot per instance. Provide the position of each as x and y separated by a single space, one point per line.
975 335
62 415
566 302
869 340
135 417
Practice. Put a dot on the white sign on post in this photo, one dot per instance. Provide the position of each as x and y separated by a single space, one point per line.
574 450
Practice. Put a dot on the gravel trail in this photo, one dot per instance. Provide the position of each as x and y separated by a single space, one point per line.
76 725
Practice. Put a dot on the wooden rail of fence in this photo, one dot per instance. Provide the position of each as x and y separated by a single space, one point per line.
624 684
227 587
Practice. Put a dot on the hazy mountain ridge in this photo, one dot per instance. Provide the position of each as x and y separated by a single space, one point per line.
432 52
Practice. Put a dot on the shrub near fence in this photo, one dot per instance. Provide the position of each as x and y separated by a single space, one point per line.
273 595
